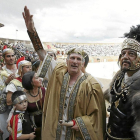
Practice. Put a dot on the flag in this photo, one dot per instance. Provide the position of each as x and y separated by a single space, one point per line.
48 46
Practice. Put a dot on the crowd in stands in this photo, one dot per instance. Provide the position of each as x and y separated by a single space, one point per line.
91 49
94 50
21 49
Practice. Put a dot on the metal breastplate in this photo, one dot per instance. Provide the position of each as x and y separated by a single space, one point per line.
121 119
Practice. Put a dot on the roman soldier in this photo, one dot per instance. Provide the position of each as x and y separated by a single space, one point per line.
8 73
124 92
16 84
20 122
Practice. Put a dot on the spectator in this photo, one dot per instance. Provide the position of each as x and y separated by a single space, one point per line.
35 94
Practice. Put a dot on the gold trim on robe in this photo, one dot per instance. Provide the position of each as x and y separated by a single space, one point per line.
89 105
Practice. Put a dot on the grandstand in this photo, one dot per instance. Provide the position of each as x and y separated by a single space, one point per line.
102 56
98 52
93 49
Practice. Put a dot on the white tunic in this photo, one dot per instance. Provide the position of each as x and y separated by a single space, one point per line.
4 116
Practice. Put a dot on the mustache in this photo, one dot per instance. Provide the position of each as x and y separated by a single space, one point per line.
74 65
125 61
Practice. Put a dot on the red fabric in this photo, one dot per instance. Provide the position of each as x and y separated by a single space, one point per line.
18 78
14 120
74 122
20 59
48 46
4 47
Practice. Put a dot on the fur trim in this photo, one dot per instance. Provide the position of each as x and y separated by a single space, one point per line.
136 114
134 99
107 94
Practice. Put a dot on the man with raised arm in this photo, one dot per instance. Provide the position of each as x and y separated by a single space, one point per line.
72 96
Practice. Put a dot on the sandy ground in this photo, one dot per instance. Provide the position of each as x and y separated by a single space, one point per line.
103 71
105 83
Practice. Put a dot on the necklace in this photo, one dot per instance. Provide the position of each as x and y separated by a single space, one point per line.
34 95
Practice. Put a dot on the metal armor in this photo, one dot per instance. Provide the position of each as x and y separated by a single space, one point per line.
121 119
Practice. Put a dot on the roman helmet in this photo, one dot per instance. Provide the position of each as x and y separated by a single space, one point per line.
132 41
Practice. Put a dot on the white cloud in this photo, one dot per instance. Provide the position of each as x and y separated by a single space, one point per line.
72 20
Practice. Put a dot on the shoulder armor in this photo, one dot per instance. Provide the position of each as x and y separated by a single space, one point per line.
16 82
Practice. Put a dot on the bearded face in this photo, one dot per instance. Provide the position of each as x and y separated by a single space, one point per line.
128 59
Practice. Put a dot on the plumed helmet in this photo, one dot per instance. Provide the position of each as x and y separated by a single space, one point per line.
22 62
6 50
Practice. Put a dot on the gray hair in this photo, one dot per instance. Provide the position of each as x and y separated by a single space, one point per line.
83 60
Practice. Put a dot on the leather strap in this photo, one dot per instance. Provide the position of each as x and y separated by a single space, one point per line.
35 40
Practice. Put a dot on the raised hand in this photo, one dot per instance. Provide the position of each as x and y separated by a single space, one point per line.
28 19
10 78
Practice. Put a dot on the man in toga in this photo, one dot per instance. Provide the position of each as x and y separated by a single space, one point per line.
71 95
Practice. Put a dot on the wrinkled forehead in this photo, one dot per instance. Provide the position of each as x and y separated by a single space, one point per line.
128 49
75 55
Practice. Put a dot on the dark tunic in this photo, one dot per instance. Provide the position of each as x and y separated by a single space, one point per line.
35 111
124 110
36 107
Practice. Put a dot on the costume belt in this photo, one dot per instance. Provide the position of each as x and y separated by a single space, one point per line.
36 113
114 138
